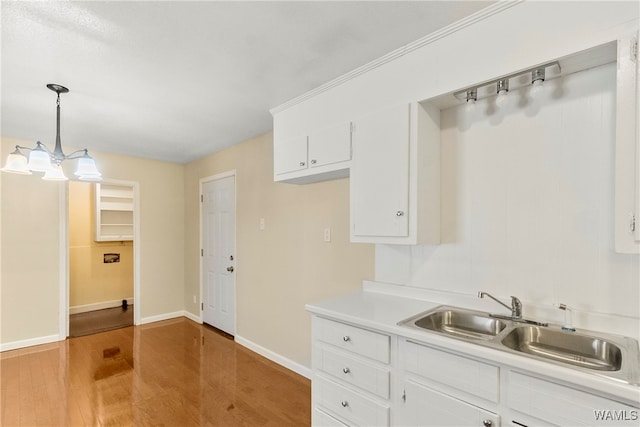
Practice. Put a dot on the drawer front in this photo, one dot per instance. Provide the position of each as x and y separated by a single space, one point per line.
360 341
467 375
322 419
355 371
560 405
348 405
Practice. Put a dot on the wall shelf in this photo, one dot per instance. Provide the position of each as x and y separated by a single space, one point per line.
114 212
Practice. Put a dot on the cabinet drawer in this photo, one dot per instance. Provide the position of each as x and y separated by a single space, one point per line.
360 341
559 405
348 405
468 375
353 370
321 419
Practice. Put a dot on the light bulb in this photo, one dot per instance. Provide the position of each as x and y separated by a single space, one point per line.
472 96
502 98
502 88
537 87
471 105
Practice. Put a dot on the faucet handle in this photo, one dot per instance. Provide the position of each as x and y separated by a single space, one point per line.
516 307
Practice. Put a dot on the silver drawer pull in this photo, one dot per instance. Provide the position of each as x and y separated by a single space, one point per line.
346 370
346 338
487 423
344 403
399 213
313 162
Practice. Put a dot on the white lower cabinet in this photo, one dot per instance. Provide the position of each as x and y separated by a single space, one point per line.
540 402
321 418
364 377
348 404
424 406
440 388
351 382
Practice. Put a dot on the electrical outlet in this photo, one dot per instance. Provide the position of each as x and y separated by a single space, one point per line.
194 299
327 234
261 226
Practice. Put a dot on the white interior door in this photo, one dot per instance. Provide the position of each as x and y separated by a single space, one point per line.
218 248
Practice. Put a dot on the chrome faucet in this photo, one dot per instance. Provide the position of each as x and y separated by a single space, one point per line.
516 305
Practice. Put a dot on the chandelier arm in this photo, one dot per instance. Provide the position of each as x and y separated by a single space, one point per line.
45 148
76 154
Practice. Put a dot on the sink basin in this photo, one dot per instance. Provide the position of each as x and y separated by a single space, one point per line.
461 323
611 356
568 347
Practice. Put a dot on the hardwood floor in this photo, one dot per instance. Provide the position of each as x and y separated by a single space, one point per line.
170 373
92 322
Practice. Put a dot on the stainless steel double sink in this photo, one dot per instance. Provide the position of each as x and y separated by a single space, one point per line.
608 355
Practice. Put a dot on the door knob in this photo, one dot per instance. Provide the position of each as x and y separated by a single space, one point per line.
230 269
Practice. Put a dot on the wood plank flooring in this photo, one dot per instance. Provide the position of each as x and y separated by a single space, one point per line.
170 373
92 322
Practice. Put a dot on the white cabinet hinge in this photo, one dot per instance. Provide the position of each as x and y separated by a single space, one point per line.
353 127
404 396
201 198
634 50
201 252
632 223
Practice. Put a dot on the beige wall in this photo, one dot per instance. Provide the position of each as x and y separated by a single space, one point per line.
91 281
286 265
30 243
29 267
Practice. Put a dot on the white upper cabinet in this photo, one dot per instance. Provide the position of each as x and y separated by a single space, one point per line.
290 155
330 145
380 177
395 176
319 155
627 179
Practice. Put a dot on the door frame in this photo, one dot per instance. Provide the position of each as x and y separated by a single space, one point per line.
227 174
65 288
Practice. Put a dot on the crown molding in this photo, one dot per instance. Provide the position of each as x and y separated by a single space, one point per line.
476 17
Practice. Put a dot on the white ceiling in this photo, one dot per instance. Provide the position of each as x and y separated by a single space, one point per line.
176 81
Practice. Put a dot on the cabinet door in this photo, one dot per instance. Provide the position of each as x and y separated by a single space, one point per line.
627 170
423 406
330 145
289 155
380 174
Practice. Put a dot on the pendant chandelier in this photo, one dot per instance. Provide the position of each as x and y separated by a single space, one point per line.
41 159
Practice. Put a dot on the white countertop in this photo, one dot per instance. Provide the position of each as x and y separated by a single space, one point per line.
382 312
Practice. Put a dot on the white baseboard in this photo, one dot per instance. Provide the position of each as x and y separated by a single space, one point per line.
275 357
30 342
98 306
192 316
159 317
